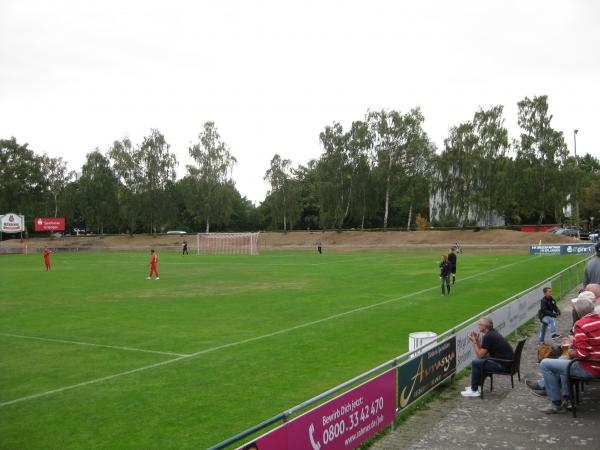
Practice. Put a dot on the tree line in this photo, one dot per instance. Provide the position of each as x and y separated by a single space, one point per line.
380 172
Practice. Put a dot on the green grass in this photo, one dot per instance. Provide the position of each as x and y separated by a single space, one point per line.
266 332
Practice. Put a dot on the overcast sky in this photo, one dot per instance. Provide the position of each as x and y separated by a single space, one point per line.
75 75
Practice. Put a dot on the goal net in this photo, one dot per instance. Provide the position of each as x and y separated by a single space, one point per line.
227 243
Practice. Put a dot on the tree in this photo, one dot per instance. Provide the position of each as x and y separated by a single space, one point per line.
400 144
541 152
128 171
591 200
214 164
456 174
98 192
417 162
57 177
146 176
22 183
157 165
278 175
338 169
308 194
490 151
471 179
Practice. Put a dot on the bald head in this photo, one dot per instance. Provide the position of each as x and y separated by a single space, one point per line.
594 289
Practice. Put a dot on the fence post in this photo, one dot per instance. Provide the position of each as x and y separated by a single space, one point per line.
561 288
570 278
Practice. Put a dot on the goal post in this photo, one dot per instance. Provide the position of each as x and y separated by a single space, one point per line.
227 243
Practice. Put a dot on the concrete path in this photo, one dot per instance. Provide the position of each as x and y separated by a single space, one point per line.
505 418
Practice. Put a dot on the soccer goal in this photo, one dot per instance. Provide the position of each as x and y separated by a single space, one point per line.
227 243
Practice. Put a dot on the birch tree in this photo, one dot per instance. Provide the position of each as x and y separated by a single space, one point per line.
213 169
278 175
541 153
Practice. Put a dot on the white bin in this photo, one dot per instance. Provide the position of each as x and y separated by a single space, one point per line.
420 338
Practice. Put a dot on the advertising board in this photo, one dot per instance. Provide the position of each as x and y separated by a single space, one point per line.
12 223
426 371
49 224
341 423
562 249
506 320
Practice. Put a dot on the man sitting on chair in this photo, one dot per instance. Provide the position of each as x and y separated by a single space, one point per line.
493 345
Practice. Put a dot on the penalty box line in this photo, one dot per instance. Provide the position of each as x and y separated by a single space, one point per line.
245 341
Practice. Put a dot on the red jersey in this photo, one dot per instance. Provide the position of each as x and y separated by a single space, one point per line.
587 341
47 252
153 259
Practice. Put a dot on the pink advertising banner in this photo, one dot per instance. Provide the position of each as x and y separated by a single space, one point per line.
342 423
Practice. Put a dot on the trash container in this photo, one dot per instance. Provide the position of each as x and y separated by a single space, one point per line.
419 339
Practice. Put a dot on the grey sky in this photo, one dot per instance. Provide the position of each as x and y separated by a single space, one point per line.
75 75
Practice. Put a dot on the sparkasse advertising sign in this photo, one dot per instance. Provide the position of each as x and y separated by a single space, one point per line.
49 224
12 223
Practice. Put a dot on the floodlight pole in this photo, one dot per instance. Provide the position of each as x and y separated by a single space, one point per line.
576 181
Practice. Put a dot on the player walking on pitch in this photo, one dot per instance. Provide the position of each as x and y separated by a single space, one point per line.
319 246
185 248
47 253
452 261
153 265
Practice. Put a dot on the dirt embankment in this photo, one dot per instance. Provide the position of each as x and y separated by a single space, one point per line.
346 240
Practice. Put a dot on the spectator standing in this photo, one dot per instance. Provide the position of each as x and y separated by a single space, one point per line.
592 268
493 345
547 314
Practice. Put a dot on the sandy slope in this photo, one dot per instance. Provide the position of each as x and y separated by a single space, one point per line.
304 239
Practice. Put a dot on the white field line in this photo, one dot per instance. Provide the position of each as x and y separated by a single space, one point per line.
244 341
117 347
85 383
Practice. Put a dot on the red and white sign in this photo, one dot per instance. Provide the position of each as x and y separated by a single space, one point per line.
49 224
340 424
12 223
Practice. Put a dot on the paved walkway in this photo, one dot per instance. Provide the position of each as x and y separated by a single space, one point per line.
506 418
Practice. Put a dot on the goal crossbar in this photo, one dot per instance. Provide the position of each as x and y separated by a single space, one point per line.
227 243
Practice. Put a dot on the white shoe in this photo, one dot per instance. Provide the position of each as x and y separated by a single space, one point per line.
157 278
471 393
148 278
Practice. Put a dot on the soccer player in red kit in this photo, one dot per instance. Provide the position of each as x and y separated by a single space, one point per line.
47 253
153 265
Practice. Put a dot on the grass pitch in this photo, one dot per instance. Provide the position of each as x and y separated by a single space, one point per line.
93 355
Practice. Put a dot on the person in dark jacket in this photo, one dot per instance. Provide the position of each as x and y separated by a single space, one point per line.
445 269
547 314
592 268
452 261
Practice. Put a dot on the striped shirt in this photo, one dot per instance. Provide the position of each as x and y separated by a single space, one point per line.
587 341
